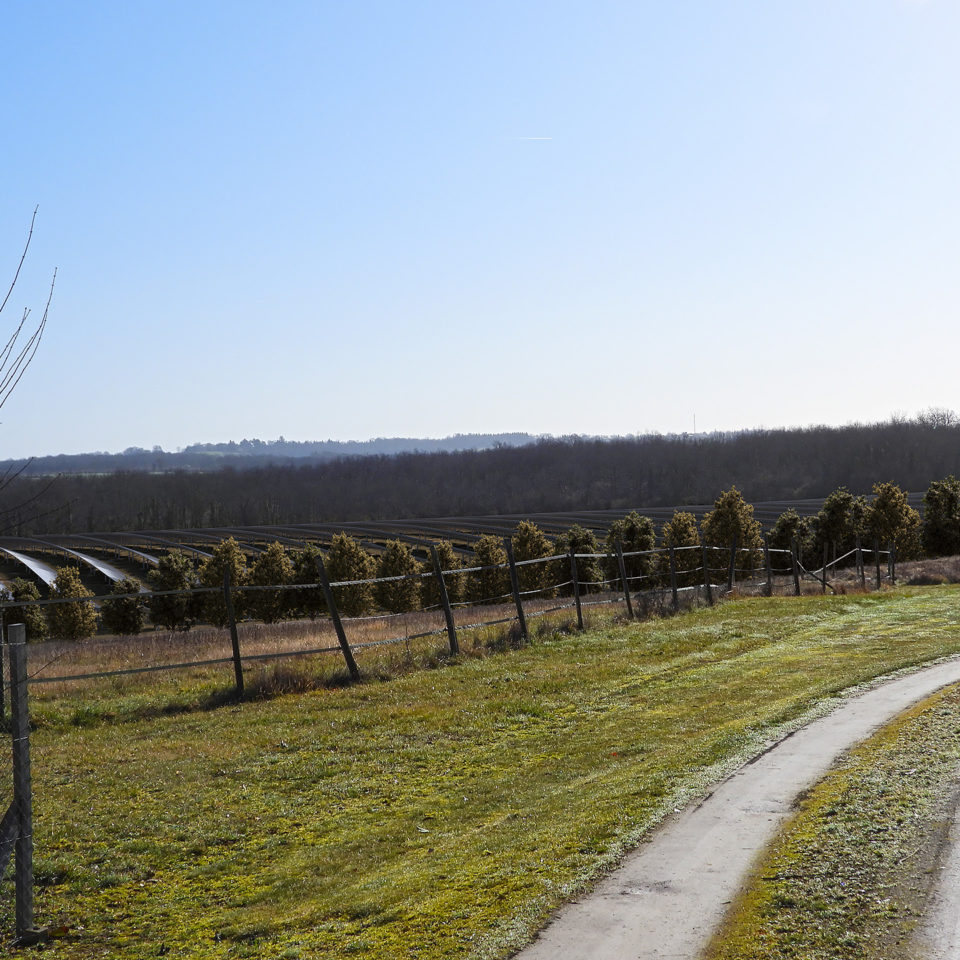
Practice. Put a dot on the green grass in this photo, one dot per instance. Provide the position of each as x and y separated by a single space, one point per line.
441 814
846 879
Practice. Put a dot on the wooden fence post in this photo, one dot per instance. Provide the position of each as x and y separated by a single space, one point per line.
766 560
706 575
623 579
826 556
445 601
234 637
861 573
732 574
22 788
673 579
876 557
796 568
337 622
576 589
515 586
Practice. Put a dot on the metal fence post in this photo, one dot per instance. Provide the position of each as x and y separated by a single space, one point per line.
445 601
3 692
515 586
796 569
22 789
766 560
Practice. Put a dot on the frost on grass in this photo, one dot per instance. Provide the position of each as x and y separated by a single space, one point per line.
849 874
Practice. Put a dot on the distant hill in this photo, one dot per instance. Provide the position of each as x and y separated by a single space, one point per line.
250 454
331 449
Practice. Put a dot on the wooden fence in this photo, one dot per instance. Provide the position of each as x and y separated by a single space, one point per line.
569 581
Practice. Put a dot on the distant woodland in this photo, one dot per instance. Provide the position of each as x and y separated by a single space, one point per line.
547 475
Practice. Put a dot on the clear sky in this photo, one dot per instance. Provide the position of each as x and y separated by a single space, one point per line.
348 219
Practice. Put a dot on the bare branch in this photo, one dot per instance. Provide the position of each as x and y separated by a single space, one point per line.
26 355
23 257
5 355
9 475
36 516
6 510
13 364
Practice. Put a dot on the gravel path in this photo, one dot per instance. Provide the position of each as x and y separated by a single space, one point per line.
668 896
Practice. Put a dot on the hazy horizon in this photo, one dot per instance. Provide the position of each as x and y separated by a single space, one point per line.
282 438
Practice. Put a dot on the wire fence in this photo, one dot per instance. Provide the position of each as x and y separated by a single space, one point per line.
467 599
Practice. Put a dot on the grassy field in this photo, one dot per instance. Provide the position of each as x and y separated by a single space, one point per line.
444 813
848 876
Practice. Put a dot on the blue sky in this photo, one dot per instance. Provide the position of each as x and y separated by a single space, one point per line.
339 220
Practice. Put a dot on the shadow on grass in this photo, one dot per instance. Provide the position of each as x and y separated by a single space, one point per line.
280 679
263 687
259 685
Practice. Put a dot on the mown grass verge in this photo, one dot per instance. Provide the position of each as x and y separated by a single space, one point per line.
848 875
441 814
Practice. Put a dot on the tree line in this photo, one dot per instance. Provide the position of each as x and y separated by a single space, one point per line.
284 584
550 475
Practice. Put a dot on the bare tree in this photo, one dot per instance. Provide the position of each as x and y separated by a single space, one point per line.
15 357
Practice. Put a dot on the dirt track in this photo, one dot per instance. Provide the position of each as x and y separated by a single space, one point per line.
668 896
